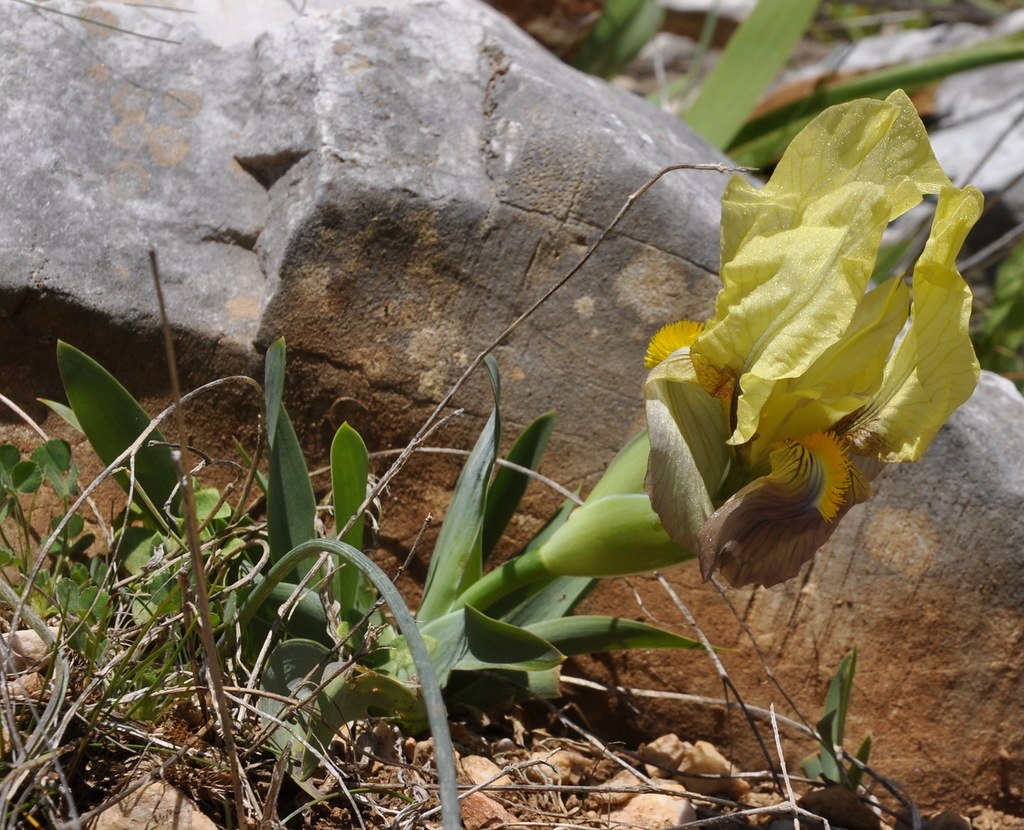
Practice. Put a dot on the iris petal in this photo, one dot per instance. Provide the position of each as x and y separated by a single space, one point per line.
771 527
933 369
689 455
798 253
844 378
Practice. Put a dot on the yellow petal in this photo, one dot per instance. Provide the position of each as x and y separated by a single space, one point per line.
791 297
769 529
689 456
844 378
797 254
933 369
883 142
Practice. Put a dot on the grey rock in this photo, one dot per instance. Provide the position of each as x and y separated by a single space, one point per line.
426 209
387 187
115 145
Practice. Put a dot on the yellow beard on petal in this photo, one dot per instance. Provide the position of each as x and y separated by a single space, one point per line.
671 338
818 468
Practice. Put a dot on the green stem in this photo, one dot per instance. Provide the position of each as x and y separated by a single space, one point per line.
492 586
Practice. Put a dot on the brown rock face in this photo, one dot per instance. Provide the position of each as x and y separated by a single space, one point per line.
926 579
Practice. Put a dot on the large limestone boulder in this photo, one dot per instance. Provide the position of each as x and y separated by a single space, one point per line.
388 188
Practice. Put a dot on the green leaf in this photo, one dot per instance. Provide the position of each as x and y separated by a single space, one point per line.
112 420
753 57
507 488
75 525
838 698
624 29
54 458
499 689
9 558
10 456
456 562
26 476
826 764
350 471
65 412
589 634
466 640
291 505
209 500
135 547
296 668
863 755
492 644
763 139
293 670
307 619
543 601
626 472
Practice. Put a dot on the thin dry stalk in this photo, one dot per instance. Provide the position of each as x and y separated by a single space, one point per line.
202 589
722 673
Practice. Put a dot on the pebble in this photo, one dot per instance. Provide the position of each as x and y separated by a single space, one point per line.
27 650
157 804
480 812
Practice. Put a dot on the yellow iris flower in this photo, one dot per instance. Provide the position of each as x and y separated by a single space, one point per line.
767 423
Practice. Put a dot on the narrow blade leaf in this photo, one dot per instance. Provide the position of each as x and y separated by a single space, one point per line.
456 562
350 469
291 505
113 420
508 486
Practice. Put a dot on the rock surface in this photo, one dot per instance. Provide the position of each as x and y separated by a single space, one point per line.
386 187
926 579
154 805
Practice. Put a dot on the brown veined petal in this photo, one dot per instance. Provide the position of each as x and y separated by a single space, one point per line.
766 532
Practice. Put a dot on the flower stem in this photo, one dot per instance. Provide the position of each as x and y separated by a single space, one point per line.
502 581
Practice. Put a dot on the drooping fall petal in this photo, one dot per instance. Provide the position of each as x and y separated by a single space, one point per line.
689 454
771 527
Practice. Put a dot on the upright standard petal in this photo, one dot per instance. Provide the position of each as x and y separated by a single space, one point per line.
881 142
933 369
788 298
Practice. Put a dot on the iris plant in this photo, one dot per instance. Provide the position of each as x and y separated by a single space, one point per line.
768 421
